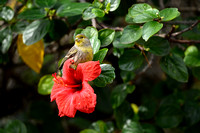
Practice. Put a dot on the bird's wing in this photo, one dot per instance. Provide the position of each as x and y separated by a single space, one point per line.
71 53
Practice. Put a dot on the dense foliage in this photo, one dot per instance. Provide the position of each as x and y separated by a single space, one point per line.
149 55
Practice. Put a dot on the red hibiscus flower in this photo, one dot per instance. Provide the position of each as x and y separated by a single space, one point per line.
72 91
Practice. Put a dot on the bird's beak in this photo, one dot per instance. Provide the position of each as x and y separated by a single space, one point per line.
77 39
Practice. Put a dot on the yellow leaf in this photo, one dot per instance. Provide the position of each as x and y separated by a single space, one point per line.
12 3
134 107
32 55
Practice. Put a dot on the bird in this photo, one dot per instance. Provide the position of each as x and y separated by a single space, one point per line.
81 51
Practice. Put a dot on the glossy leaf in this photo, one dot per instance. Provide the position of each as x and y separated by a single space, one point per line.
32 14
20 26
174 67
106 77
92 34
168 14
196 72
2 2
45 85
147 109
5 39
158 46
114 4
6 13
16 126
98 12
119 94
123 113
100 127
130 34
141 13
132 127
192 112
100 55
117 43
192 56
87 13
32 55
45 3
131 60
71 9
89 131
150 28
35 31
169 116
106 36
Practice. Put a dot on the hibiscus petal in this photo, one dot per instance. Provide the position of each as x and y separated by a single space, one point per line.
68 73
85 99
64 99
88 71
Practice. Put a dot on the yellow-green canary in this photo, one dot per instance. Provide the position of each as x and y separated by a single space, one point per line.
81 51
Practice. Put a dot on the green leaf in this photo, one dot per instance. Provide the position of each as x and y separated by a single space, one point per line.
6 13
32 14
192 112
97 4
169 116
148 109
90 32
71 9
132 127
2 2
16 126
131 60
100 126
35 31
106 36
100 55
174 67
106 77
5 39
87 13
196 72
45 85
123 113
127 75
89 131
157 45
92 35
45 3
131 33
142 13
168 14
114 4
150 28
20 26
98 12
117 43
192 56
149 128
118 95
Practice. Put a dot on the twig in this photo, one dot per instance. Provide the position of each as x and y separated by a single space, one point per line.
186 29
110 27
184 41
161 3
180 22
168 36
94 23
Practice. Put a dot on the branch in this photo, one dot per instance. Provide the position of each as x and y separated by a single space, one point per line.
110 27
94 23
186 29
161 3
184 41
